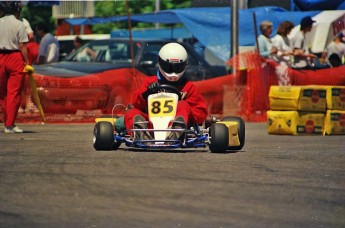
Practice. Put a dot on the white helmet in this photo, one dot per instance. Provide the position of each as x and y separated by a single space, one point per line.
172 61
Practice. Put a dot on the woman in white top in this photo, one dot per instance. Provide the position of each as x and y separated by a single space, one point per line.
285 52
266 48
282 43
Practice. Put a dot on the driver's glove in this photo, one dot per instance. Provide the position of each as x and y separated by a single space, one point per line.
152 88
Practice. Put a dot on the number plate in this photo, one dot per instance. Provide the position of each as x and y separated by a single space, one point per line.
162 105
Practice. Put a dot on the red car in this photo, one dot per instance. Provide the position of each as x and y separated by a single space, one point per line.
102 73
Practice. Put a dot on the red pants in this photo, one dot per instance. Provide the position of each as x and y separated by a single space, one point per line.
11 84
183 109
32 52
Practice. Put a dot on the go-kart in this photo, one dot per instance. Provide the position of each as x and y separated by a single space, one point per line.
220 136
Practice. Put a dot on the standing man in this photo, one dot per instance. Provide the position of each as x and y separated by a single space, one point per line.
13 62
303 58
48 51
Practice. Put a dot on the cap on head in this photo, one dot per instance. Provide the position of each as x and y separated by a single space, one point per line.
172 61
340 36
307 22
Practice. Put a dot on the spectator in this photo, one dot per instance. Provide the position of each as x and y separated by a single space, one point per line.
77 43
303 57
48 51
28 28
266 47
84 55
285 53
336 50
13 62
32 47
282 43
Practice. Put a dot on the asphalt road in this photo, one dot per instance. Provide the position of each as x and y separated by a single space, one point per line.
50 176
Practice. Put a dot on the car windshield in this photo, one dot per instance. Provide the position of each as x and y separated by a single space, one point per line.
103 51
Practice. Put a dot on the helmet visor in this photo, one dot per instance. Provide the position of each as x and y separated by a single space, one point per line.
170 67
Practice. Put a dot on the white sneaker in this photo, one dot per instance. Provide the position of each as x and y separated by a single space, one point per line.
11 130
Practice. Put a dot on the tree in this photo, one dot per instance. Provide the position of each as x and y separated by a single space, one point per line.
39 14
118 8
36 14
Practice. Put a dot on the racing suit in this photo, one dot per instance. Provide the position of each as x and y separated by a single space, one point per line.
192 107
13 57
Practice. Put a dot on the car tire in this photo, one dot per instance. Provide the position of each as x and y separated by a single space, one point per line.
219 140
241 131
103 136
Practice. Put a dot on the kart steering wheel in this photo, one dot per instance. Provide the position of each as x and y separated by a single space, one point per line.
170 88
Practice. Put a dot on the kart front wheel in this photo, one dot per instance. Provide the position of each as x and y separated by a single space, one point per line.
219 138
241 131
103 136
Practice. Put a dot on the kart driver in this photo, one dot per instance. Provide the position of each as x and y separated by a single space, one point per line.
172 63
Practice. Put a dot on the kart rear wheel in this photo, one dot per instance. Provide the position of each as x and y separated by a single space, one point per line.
219 138
241 131
103 136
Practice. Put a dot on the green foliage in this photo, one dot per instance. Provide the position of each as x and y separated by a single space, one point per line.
39 14
118 8
36 14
